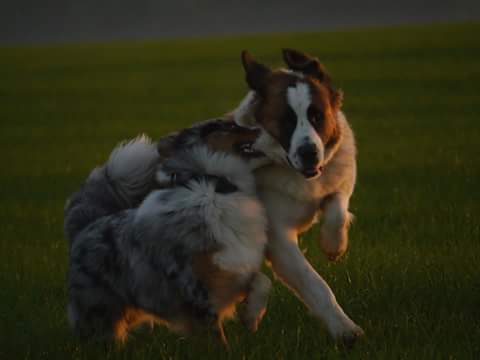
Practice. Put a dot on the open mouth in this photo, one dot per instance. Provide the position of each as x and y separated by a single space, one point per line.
246 150
313 172
310 173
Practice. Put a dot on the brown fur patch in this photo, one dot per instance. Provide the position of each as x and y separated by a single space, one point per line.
278 119
273 107
229 141
131 318
273 112
328 128
134 317
226 288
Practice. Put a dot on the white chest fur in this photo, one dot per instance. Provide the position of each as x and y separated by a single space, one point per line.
288 195
339 174
287 181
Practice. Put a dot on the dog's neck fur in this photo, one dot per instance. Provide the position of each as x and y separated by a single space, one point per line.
200 160
293 184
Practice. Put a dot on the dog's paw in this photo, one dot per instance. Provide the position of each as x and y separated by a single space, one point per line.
349 338
347 333
251 321
333 241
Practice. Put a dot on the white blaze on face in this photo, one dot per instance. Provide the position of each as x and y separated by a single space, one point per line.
299 99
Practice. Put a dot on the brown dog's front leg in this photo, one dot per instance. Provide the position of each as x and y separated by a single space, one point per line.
295 271
334 230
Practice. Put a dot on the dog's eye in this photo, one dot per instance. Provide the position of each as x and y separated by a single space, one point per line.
315 115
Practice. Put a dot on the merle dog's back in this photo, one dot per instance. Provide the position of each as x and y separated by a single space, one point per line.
119 261
96 218
121 183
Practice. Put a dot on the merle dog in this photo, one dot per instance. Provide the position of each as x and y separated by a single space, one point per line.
182 255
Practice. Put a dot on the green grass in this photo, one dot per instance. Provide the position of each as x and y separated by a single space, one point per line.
411 278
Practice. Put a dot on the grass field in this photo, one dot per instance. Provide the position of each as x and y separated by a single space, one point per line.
411 278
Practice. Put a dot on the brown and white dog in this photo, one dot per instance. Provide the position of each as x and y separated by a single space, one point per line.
306 136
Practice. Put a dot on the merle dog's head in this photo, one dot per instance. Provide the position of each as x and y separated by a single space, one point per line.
219 135
216 148
296 109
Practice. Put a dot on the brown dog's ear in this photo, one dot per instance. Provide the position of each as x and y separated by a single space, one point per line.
304 63
255 73
309 65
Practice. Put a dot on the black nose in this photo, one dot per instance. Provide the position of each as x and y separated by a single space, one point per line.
309 155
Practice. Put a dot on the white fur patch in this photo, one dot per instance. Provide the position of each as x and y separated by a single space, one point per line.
299 99
132 165
162 178
271 148
293 72
131 159
243 115
339 174
239 224
237 220
226 165
231 167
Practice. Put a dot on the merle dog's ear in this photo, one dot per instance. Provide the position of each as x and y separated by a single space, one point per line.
304 63
165 146
255 73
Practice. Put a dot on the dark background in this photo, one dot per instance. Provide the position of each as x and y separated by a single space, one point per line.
47 21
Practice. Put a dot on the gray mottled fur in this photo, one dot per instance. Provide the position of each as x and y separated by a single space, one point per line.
121 183
125 256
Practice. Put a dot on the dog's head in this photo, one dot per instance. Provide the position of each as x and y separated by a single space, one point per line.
219 135
215 147
296 108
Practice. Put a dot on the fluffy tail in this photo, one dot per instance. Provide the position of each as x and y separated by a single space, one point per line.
121 183
131 168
